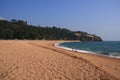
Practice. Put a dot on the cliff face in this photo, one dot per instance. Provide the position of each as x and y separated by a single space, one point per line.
88 37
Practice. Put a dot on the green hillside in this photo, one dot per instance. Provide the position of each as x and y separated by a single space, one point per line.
19 29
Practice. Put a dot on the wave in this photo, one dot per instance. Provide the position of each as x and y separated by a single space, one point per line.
113 55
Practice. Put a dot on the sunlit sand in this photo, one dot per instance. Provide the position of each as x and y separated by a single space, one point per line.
40 60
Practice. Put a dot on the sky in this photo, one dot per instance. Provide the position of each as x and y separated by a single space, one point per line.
100 17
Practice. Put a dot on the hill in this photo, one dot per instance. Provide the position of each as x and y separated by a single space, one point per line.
19 29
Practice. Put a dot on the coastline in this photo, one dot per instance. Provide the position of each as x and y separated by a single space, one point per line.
104 62
83 51
34 59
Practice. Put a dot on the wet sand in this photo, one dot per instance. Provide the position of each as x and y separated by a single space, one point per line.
40 60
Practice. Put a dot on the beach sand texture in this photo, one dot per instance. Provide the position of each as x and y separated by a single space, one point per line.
40 60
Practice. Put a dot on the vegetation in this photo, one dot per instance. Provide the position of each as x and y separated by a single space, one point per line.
19 29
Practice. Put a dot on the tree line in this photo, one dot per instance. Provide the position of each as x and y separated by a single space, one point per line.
19 29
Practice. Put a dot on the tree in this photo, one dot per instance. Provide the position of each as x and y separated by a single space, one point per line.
13 20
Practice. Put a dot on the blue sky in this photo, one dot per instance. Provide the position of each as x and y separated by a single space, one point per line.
100 17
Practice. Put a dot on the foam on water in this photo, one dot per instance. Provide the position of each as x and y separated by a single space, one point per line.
114 55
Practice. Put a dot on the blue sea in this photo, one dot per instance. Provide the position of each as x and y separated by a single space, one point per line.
106 48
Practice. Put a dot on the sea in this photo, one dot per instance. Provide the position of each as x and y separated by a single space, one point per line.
105 48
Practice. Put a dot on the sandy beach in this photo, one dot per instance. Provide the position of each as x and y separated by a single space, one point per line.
41 60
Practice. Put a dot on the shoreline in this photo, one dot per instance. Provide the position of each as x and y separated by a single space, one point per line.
83 51
35 59
104 62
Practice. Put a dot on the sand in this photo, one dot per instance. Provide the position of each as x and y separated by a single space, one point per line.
40 60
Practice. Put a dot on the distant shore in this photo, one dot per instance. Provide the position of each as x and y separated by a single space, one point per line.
41 60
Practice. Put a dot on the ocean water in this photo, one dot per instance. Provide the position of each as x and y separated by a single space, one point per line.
106 48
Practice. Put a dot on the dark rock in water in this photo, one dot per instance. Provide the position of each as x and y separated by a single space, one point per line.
115 54
105 53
